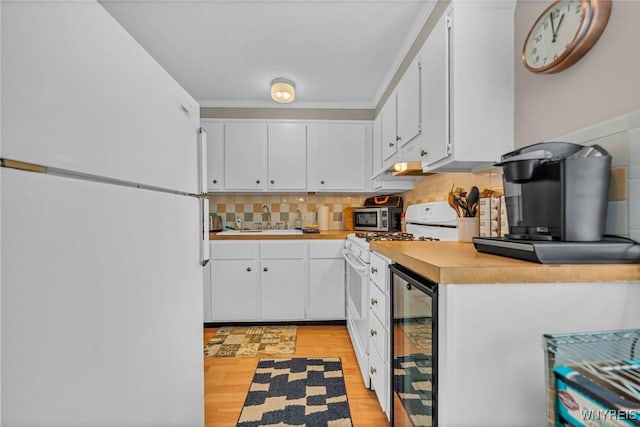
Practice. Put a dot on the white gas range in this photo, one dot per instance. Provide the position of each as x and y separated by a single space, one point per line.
425 221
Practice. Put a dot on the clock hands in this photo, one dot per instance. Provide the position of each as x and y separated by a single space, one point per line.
554 29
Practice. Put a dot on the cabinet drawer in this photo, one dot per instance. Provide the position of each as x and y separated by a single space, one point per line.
234 250
378 335
326 249
379 272
284 249
378 303
379 378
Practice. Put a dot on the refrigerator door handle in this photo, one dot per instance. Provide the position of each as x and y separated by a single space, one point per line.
202 161
204 241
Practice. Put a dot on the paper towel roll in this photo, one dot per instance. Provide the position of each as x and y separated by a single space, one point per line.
323 217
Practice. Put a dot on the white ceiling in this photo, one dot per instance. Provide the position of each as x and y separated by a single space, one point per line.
340 53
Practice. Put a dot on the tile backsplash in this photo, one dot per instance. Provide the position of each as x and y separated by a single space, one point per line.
283 207
433 188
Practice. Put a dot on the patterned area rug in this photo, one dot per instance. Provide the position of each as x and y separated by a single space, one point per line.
419 333
234 341
412 377
297 392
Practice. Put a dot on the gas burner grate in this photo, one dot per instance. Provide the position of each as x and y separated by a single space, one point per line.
392 236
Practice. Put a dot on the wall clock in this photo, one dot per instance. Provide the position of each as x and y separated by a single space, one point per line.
563 33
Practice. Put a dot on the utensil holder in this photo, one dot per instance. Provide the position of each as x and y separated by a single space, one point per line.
468 228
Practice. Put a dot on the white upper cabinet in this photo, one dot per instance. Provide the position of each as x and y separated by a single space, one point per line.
480 89
401 116
389 130
455 102
338 156
287 157
376 154
113 129
215 154
433 143
245 156
408 104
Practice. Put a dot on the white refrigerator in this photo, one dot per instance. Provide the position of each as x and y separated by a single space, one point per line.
102 226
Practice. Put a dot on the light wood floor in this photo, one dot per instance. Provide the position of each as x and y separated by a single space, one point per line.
227 379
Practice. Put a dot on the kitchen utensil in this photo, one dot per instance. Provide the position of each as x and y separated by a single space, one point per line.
453 204
472 200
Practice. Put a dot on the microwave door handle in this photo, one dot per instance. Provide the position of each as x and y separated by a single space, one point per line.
353 263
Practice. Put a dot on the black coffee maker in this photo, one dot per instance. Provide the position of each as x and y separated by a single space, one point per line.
556 191
556 197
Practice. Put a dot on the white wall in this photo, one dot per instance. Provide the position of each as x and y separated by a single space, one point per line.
603 85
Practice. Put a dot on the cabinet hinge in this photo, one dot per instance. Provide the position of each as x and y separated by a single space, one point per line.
419 66
449 21
448 148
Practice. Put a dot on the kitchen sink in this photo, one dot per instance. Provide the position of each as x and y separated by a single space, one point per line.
259 232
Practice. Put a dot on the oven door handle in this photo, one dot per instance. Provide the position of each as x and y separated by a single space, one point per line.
359 267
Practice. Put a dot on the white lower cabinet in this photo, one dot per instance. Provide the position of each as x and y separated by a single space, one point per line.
234 289
326 280
379 329
275 280
235 281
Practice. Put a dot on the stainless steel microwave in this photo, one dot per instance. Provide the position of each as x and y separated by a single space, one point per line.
377 219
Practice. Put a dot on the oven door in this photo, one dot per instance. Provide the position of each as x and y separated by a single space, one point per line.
358 310
414 362
368 219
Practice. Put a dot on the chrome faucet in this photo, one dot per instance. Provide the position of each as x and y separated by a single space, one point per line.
266 216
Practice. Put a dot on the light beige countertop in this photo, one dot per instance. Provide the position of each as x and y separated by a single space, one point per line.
460 263
326 235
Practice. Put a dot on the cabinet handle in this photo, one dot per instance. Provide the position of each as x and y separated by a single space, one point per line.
423 153
265 269
248 268
373 332
374 301
273 181
374 270
322 182
398 138
257 181
391 144
373 370
215 181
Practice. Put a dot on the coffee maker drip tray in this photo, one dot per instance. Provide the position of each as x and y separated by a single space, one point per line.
611 250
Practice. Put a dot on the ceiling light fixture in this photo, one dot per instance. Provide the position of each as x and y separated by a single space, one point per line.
283 90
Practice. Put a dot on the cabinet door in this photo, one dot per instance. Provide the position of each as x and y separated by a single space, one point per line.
215 154
287 157
245 156
337 157
389 129
376 168
326 289
234 290
283 283
408 104
435 93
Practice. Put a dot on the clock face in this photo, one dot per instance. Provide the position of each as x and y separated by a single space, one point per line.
556 33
